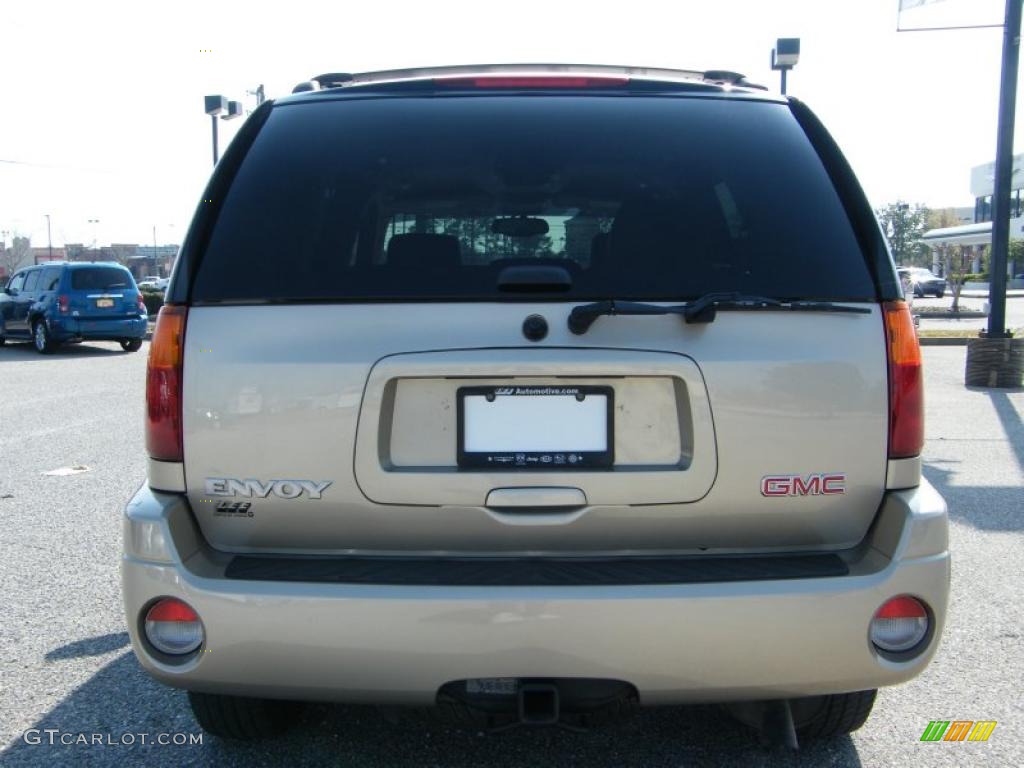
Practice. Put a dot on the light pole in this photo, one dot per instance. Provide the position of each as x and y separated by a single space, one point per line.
1004 172
785 55
228 110
259 93
49 239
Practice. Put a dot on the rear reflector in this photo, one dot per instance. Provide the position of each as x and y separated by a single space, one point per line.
173 627
899 625
906 386
163 385
532 82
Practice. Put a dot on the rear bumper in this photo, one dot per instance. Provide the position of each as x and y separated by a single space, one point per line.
398 644
100 329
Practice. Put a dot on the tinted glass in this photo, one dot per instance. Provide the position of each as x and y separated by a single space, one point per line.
50 279
99 278
32 281
636 197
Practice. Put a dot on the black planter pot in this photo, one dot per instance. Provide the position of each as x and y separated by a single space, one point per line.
996 363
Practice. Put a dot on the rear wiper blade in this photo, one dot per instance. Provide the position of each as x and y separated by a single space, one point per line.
701 310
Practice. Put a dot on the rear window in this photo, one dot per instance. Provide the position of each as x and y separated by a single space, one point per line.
431 198
99 278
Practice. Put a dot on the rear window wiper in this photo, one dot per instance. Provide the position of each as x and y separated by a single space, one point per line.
701 310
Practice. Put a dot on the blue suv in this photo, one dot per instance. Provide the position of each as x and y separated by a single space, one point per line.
53 304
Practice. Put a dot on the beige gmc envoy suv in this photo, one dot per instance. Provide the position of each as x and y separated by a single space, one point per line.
534 394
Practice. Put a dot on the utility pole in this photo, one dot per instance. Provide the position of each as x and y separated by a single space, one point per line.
49 238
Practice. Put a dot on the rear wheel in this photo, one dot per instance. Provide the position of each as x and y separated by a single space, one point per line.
131 345
44 343
242 718
814 717
919 291
824 717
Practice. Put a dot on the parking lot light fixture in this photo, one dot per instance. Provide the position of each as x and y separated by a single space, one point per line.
785 55
215 105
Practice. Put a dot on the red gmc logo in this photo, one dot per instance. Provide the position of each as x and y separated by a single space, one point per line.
797 485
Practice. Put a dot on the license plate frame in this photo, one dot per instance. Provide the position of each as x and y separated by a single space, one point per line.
585 456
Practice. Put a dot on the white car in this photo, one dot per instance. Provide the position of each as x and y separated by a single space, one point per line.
154 283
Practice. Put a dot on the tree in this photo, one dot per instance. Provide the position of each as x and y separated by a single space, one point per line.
957 265
18 255
122 254
903 225
1016 255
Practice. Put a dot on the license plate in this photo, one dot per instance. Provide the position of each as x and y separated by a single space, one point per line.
104 303
535 427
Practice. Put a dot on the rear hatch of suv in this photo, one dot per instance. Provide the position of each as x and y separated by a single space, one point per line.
378 356
99 292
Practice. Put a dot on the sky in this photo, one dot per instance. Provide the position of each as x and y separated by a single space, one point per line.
102 101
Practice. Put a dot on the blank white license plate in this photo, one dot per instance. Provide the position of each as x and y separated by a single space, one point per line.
535 427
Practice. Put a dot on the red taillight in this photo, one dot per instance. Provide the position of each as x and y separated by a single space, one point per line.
906 385
142 303
533 81
63 304
164 383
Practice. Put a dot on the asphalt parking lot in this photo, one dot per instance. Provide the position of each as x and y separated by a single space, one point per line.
66 664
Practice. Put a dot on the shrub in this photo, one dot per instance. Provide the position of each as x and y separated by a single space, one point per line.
154 300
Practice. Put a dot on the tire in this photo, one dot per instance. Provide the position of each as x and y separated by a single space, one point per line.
825 717
241 718
940 295
131 345
919 291
41 339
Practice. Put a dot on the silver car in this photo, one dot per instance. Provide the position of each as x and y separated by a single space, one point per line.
535 394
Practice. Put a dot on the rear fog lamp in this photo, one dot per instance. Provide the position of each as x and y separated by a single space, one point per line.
172 627
899 625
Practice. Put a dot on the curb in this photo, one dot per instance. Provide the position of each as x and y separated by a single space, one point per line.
944 341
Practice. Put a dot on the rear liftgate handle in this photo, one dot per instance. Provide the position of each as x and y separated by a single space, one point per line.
544 505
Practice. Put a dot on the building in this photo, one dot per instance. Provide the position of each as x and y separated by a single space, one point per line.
45 254
974 236
142 260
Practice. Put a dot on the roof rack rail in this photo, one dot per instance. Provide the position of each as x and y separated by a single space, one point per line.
726 77
347 79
